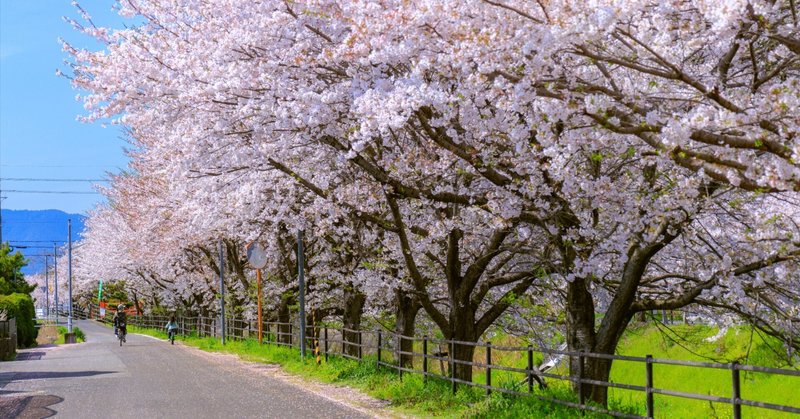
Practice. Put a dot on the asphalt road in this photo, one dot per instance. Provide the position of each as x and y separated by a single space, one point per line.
148 378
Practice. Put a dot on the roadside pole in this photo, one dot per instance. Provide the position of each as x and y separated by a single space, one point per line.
260 308
55 276
257 258
222 286
69 273
301 280
46 289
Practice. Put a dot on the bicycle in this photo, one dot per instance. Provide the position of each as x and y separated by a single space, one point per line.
171 335
121 332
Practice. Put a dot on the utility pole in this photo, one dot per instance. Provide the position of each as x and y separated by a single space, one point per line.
222 286
1 214
46 289
69 273
55 276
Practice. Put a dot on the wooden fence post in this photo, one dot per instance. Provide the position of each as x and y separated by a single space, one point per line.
581 396
400 357
425 359
379 347
326 343
488 368
530 369
649 385
453 366
735 391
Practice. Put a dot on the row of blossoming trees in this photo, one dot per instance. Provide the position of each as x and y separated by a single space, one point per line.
464 162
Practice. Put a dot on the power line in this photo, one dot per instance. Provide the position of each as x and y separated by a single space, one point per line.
40 241
51 192
25 179
34 222
55 165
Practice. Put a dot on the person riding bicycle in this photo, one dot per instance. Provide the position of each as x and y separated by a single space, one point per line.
172 327
121 321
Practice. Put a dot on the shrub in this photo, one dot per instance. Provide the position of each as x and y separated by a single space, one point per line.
20 306
79 335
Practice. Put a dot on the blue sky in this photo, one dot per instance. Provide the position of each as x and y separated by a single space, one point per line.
39 134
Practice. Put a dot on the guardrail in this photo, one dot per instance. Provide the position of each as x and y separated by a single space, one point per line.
382 347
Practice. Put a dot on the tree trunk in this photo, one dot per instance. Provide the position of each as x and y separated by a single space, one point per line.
353 309
462 328
597 369
136 304
284 329
600 369
463 353
407 308
580 325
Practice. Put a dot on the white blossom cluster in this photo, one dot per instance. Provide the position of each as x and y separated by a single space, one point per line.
602 156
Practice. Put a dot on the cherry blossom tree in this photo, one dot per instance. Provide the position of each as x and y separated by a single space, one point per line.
621 157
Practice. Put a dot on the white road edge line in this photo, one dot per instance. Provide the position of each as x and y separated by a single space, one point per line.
148 336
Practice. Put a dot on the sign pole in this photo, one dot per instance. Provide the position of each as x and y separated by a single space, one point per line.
302 285
222 287
260 307
257 258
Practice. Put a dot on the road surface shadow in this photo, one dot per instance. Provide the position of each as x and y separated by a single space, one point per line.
6 377
30 356
28 407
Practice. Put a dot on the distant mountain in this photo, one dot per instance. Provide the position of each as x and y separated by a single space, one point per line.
34 232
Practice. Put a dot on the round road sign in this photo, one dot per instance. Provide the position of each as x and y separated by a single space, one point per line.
256 256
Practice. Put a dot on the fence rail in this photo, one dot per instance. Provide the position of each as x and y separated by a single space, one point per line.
383 348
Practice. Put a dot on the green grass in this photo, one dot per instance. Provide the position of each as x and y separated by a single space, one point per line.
79 335
689 344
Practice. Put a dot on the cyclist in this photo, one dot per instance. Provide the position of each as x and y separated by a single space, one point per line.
172 327
120 322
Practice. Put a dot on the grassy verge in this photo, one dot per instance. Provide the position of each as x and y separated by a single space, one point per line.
79 335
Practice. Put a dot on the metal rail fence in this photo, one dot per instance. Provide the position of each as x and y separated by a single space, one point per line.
382 347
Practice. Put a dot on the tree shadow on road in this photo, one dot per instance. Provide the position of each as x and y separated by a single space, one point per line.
28 407
6 377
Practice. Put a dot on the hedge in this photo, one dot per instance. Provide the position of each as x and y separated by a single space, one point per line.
20 306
